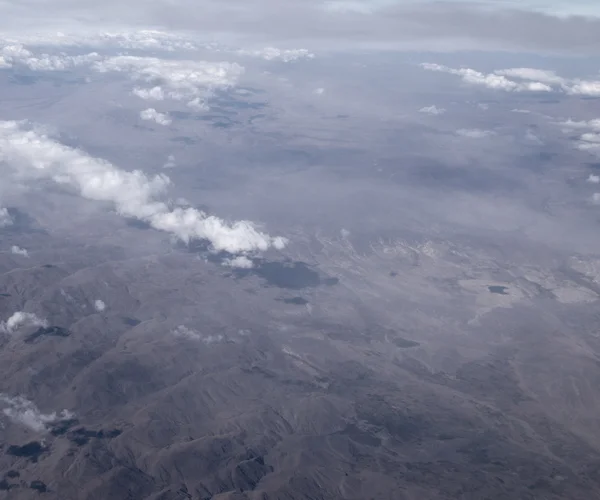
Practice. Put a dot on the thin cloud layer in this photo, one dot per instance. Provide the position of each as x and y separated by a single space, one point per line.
133 194
521 80
447 25
275 54
24 412
475 133
432 110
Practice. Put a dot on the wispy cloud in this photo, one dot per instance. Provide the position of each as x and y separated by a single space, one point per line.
5 218
432 110
24 412
133 194
475 133
275 54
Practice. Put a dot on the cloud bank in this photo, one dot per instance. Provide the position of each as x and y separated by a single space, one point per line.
132 194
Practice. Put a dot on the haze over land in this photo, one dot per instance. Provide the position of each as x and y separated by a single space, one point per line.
326 250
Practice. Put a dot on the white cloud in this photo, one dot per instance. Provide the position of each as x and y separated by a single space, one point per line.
521 80
22 411
170 163
5 218
475 133
275 54
152 94
532 74
133 194
594 179
184 331
585 87
17 55
491 80
134 40
151 114
589 138
21 319
99 305
19 251
191 81
432 110
319 91
241 262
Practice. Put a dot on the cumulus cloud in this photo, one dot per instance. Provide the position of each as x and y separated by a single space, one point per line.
151 114
275 54
99 305
24 412
133 194
432 110
5 218
475 133
19 251
21 319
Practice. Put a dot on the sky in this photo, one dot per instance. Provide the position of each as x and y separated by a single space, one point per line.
554 27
